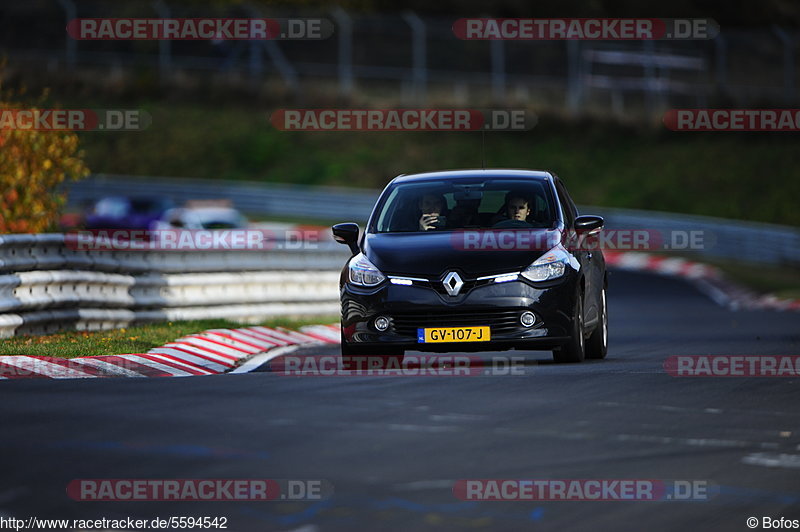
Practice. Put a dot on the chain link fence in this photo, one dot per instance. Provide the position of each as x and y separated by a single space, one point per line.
412 59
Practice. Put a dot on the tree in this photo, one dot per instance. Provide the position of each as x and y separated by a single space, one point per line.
32 166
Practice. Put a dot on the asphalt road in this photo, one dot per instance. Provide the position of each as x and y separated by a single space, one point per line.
393 446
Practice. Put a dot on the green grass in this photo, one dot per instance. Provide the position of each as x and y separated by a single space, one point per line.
780 281
748 176
139 339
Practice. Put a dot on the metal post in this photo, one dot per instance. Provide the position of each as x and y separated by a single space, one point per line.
788 63
721 52
649 47
255 63
419 53
164 45
574 80
280 61
71 13
498 71
345 32
283 64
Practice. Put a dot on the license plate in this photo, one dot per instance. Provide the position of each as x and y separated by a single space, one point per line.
433 335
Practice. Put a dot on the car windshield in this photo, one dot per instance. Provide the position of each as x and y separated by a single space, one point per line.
452 205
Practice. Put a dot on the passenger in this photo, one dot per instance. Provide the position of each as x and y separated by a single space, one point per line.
432 207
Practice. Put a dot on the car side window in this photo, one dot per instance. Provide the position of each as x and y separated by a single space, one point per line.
570 202
570 212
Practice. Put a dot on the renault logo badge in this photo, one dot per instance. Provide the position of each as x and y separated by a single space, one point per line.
452 283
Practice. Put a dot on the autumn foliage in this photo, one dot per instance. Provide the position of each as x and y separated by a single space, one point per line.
32 165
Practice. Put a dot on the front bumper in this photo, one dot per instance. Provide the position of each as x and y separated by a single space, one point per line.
497 305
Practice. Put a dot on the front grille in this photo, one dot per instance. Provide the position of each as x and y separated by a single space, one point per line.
438 286
500 321
440 289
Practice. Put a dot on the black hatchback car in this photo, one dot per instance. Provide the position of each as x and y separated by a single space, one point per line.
474 260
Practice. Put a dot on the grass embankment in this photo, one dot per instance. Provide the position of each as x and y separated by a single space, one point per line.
743 176
732 175
753 176
139 339
780 281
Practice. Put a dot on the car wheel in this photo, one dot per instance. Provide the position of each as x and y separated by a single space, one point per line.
349 354
574 349
597 344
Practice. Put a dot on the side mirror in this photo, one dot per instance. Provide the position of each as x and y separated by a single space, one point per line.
347 233
588 224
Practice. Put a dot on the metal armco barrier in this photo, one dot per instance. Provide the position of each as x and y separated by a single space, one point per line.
253 197
728 239
747 242
46 285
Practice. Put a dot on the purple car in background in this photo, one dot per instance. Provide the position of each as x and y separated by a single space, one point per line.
118 212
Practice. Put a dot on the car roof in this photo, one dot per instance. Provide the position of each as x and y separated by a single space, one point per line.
473 173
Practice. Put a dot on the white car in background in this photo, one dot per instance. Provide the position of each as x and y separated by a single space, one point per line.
200 214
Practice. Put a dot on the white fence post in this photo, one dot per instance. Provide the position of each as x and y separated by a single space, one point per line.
345 52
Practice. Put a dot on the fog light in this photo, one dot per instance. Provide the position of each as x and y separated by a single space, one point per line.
527 318
381 323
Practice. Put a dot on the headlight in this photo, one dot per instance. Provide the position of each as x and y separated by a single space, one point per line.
363 272
551 265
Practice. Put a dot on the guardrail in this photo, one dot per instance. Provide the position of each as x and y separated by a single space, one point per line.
252 197
747 242
46 286
728 239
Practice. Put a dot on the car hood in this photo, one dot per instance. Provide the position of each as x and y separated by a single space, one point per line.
474 253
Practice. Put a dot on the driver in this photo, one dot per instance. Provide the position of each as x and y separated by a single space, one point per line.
517 207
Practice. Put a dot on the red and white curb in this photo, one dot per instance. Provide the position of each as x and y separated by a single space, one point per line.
708 278
241 350
207 353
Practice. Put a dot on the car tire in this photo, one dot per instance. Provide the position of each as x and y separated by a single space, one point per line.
349 354
574 350
597 344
